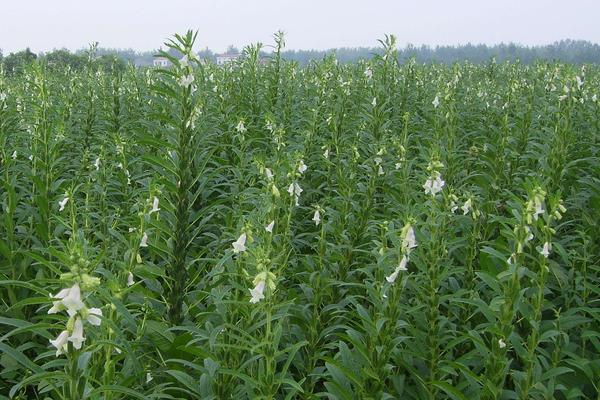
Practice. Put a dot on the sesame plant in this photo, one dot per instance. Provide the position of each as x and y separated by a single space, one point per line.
265 230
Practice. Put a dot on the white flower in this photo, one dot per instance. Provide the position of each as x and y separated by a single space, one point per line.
317 217
97 163
2 96
402 267
186 80
368 72
409 240
130 281
467 207
258 292
436 102
595 98
148 377
240 127
403 263
269 228
94 315
154 205
546 249
30 158
14 155
579 82
302 168
501 343
72 301
240 244
511 258
529 236
434 184
295 190
374 102
326 153
63 203
380 171
57 305
270 126
61 343
77 337
269 174
144 241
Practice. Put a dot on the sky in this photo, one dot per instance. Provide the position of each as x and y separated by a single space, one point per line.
44 25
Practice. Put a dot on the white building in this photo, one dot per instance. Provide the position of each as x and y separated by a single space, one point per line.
223 59
161 62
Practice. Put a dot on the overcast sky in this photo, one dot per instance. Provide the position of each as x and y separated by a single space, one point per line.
309 24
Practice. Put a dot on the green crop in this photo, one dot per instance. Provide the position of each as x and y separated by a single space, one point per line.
261 230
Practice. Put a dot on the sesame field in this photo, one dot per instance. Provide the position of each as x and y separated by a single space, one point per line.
265 230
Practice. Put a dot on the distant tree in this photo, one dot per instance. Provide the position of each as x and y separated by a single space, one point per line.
59 59
15 63
110 62
232 50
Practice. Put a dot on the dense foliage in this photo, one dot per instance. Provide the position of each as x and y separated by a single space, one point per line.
362 231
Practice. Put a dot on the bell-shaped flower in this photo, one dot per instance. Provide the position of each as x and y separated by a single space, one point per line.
61 343
409 240
57 305
93 316
436 102
402 267
186 80
72 301
269 228
14 155
467 206
317 217
269 174
546 249
63 203
97 163
144 241
295 190
302 167
130 280
240 244
434 184
154 205
77 337
240 127
258 292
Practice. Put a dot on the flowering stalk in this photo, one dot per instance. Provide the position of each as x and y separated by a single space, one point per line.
184 97
497 366
557 209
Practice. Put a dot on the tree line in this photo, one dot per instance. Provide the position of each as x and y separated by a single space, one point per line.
568 51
